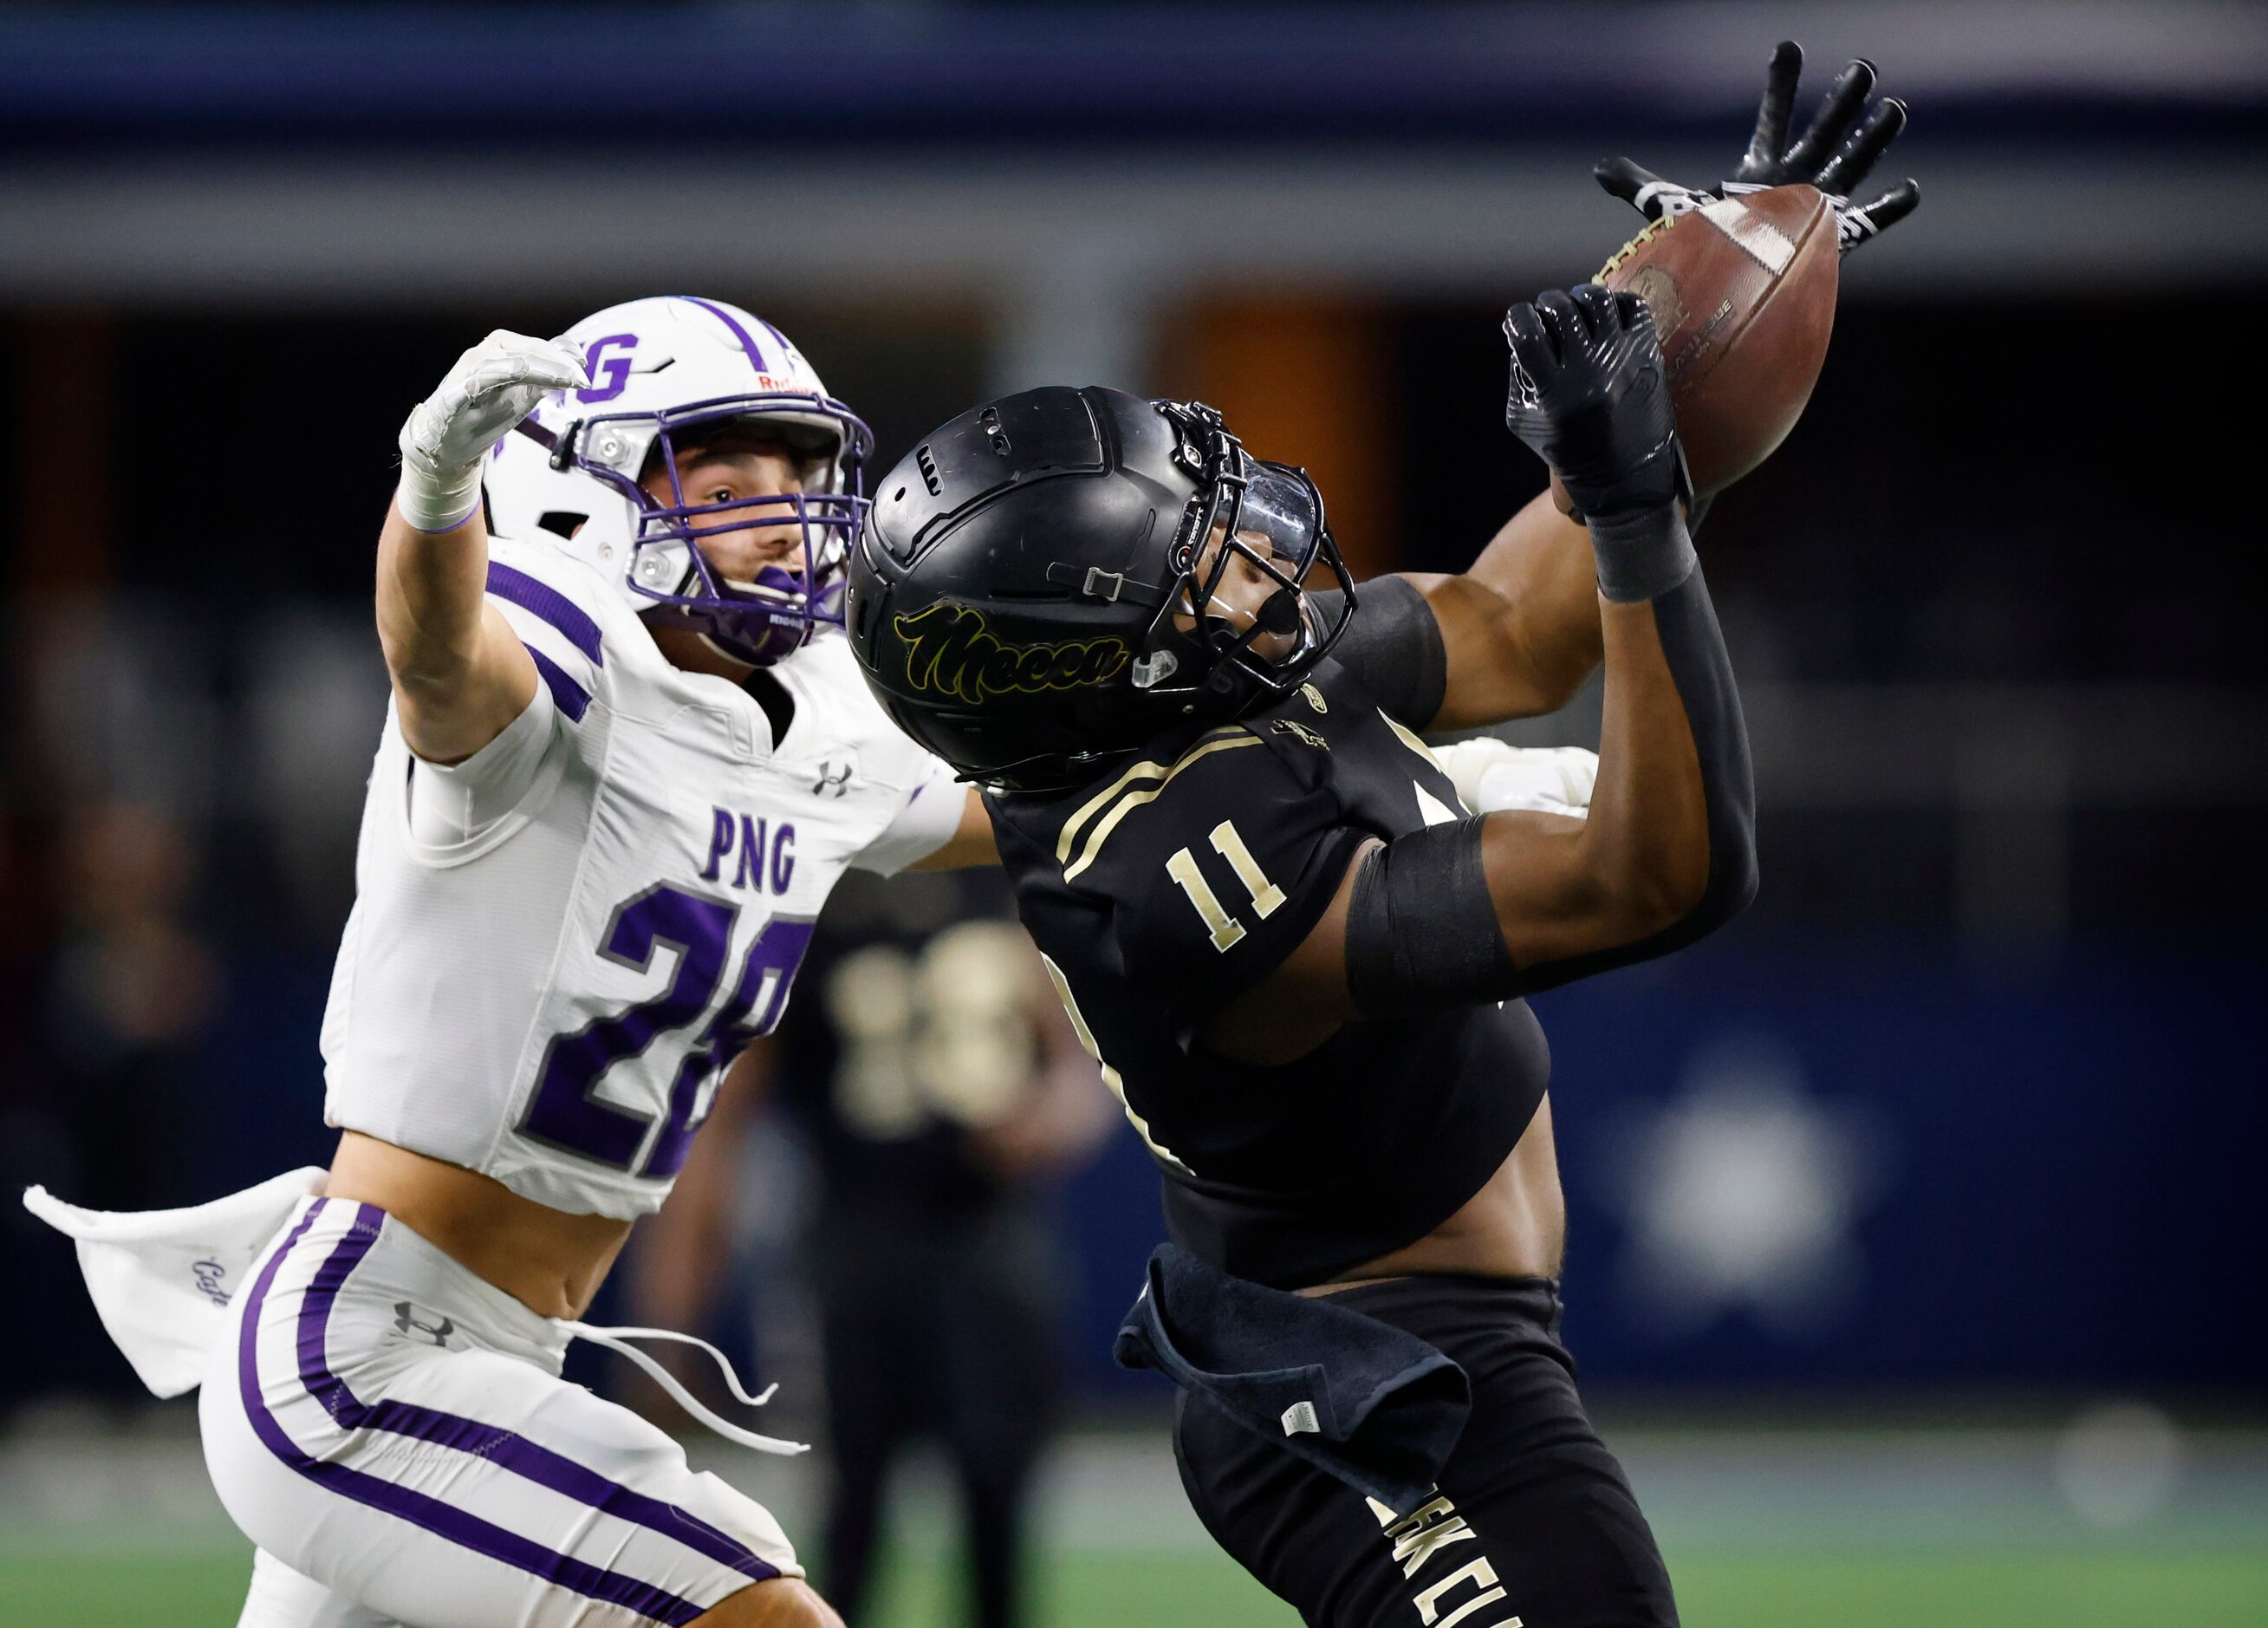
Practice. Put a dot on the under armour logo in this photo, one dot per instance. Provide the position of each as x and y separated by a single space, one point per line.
405 1320
208 1274
832 779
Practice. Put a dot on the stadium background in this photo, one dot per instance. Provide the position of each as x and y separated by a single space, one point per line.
1915 1230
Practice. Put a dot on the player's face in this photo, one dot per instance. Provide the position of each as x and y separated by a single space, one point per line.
1243 588
732 469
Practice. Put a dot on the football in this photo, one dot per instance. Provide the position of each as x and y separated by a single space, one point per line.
1742 293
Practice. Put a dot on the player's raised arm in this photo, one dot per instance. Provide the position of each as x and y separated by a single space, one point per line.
1514 636
1519 627
1495 906
460 674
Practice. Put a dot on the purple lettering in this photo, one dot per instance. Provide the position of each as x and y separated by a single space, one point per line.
562 1111
752 852
752 1009
720 843
610 375
783 857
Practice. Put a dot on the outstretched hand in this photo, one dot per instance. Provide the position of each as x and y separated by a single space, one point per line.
1834 153
460 674
493 387
1589 396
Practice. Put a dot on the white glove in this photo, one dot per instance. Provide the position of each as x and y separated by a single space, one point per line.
1490 776
493 387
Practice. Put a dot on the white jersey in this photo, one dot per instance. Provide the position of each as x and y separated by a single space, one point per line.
545 991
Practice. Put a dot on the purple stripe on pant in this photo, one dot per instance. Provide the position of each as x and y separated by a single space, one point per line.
502 1447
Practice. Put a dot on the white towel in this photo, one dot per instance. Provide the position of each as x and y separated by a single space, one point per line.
162 1279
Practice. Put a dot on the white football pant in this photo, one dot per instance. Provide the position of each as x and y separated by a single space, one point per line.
393 1432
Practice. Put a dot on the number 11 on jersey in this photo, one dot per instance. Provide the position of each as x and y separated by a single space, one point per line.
1266 896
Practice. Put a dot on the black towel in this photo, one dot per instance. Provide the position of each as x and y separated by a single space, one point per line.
1375 1406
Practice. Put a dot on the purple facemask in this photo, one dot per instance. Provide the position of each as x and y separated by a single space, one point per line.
774 618
760 621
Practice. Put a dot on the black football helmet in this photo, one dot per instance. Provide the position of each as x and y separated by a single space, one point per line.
1024 597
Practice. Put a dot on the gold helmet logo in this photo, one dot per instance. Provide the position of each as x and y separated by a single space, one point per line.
950 650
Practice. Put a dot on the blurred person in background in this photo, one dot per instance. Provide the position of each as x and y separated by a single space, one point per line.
623 767
933 1077
131 993
101 1066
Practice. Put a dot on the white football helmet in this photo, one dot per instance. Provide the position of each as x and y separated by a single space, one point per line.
661 368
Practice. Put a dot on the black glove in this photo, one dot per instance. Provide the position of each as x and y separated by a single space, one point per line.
1591 396
1834 154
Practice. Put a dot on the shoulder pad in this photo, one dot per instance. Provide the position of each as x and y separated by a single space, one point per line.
564 612
1215 865
833 699
1149 802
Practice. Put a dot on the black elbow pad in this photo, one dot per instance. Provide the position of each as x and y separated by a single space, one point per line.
1422 933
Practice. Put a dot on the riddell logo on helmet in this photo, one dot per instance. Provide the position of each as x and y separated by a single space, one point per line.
948 648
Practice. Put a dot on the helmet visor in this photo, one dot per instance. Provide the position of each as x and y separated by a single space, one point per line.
1246 583
1282 509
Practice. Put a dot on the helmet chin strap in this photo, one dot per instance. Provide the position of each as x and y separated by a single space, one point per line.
721 653
665 619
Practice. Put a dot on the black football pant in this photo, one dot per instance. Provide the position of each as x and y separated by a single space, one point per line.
1533 1519
942 1338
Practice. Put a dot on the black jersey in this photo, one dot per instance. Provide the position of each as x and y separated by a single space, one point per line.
1165 888
914 1028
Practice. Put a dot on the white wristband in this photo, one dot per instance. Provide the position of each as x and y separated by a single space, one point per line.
437 500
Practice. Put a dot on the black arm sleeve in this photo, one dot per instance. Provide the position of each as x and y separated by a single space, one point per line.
1686 621
1393 647
1422 931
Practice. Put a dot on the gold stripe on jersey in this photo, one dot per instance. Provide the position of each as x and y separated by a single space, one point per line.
1111 1077
1411 738
1094 804
1219 741
1140 771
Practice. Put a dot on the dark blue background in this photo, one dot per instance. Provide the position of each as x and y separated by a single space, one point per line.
2068 1197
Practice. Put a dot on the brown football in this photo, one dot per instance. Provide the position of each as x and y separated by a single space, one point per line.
1742 293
